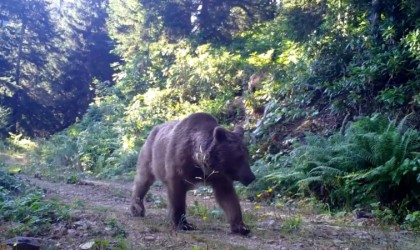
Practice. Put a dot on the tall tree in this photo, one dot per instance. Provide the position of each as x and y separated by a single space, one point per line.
50 52
127 26
28 33
211 20
83 27
27 40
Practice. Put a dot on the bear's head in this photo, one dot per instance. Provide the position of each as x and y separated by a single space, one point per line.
230 156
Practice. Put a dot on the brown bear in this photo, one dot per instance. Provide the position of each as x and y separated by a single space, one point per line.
193 150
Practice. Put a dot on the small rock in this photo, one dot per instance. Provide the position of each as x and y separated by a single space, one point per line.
79 223
267 224
71 232
338 242
299 245
149 238
364 214
87 245
59 232
364 236
271 242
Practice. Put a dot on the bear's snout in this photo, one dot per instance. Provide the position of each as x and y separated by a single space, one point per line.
247 179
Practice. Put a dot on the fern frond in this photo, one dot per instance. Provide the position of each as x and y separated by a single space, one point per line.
279 176
376 174
401 124
326 171
309 180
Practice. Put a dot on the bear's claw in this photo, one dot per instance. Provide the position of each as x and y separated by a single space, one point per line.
241 229
186 226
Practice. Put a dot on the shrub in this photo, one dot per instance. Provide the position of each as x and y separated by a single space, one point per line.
374 160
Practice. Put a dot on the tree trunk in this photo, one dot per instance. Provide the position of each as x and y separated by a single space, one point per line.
20 50
376 12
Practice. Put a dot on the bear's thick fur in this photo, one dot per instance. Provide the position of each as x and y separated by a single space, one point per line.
184 153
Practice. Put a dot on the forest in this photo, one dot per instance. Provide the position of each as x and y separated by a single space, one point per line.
328 92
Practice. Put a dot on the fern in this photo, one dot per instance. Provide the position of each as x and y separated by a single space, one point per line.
375 160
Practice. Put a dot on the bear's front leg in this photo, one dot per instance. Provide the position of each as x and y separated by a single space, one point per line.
228 200
177 192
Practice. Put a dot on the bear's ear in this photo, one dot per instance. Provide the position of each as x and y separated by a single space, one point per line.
239 131
219 133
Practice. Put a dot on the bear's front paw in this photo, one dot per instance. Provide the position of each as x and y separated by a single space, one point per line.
240 229
137 210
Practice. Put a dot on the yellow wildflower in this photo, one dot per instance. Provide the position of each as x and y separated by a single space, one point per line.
257 207
259 195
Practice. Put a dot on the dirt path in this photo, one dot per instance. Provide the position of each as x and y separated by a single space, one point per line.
96 201
101 212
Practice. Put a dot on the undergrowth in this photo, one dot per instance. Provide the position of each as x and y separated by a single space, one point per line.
25 209
374 164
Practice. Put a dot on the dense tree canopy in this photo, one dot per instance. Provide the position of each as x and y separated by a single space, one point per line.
343 52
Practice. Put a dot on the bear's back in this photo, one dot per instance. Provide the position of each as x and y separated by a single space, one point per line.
198 122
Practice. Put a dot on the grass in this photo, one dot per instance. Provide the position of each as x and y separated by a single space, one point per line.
292 224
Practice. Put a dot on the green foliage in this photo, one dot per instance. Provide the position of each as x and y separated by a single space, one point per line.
412 220
94 145
101 244
291 225
156 200
9 183
385 215
374 160
119 231
27 208
204 212
335 64
199 210
20 143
